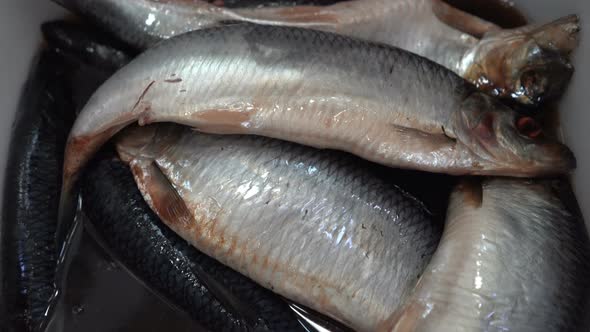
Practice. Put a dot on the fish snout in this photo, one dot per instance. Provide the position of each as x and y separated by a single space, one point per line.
558 158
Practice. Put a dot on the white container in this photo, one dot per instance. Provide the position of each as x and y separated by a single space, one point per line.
20 37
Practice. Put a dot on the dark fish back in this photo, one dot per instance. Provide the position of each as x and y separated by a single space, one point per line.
77 60
31 192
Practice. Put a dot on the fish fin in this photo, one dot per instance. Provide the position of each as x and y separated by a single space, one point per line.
165 201
134 142
292 16
441 136
461 20
159 193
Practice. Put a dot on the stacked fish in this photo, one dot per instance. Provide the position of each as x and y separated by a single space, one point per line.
271 137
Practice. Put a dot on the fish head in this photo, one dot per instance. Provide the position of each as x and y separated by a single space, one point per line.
536 75
502 141
529 65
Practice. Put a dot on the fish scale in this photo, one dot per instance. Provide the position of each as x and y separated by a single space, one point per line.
316 238
166 262
503 265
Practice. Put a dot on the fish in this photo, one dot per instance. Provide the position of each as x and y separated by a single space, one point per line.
318 89
87 44
317 227
95 55
514 256
168 264
58 86
528 65
31 194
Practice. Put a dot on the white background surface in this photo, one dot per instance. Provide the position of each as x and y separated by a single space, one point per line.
20 36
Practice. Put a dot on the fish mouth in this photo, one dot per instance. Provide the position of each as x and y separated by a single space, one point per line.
550 159
559 159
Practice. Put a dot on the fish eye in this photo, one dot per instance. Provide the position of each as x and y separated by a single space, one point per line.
528 127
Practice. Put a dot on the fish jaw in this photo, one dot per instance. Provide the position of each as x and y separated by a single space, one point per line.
530 64
498 139
502 264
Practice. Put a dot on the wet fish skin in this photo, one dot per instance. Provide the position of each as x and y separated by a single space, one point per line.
30 198
318 89
535 68
143 23
529 68
514 256
60 83
317 227
166 262
93 55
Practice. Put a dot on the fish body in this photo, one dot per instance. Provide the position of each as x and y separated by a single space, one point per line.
315 226
30 198
319 89
68 70
514 256
529 66
168 264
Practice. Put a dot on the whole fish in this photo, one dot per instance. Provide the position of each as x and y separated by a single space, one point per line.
529 65
514 256
30 195
319 89
169 265
317 227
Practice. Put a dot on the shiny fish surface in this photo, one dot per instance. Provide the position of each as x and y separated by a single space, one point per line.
514 257
171 266
530 65
314 226
319 89
30 194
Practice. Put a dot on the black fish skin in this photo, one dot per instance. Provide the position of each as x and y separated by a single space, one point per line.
31 195
165 261
87 44
77 60
94 56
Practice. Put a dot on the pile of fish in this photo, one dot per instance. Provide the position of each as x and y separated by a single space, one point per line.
267 166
